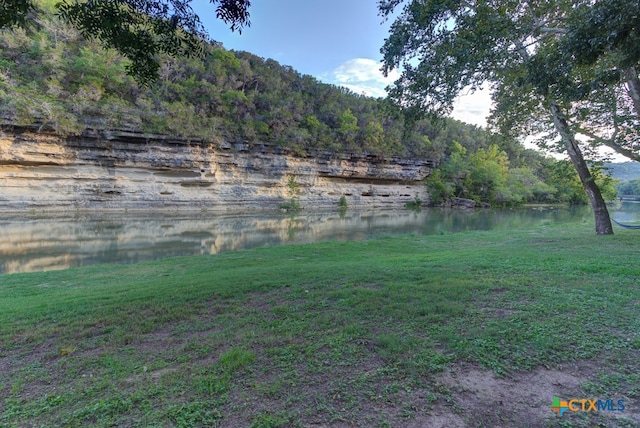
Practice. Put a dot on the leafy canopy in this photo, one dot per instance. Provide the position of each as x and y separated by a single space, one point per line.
444 46
140 30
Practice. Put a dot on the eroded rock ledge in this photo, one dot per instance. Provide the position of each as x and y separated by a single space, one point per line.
127 170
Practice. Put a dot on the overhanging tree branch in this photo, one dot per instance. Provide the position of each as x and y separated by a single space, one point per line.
610 142
140 30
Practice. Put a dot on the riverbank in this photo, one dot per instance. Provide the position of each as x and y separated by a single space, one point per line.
455 330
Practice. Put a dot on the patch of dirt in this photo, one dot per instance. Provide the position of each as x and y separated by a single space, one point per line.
499 313
368 285
522 399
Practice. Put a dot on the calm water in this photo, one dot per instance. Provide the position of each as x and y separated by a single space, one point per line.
626 212
36 243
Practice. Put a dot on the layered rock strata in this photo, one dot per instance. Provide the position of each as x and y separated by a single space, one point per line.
127 170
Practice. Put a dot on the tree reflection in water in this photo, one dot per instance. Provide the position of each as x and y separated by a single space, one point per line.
59 241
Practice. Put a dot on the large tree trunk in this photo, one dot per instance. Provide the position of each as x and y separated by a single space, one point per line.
600 211
633 87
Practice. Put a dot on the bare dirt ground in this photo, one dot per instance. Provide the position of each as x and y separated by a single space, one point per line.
480 399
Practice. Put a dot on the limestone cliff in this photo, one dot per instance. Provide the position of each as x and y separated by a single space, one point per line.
126 170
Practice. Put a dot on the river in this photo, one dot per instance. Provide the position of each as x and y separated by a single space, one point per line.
32 242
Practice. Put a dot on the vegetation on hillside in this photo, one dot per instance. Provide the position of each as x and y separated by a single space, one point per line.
631 187
627 176
140 30
52 78
623 171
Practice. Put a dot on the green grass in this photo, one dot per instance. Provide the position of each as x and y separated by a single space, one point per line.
329 333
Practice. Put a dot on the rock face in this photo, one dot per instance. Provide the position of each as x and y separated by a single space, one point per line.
462 203
131 171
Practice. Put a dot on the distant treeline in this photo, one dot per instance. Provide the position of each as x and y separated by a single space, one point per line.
51 76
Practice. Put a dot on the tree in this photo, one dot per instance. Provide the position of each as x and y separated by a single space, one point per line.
487 179
14 12
348 130
138 29
631 187
447 181
373 137
603 40
446 46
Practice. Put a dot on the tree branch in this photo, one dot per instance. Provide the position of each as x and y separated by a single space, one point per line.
610 142
550 30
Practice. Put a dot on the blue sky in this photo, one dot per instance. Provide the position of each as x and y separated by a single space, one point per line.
337 41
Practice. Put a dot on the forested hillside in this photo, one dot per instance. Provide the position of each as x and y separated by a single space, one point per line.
52 78
628 176
624 171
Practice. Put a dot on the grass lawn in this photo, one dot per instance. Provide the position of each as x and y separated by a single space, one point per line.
474 329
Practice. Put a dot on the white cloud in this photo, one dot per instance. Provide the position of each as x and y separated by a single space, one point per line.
362 76
473 107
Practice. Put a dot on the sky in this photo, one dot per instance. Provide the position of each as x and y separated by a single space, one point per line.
336 41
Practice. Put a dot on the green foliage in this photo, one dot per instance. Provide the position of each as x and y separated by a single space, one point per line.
194 414
293 189
14 12
485 176
624 171
601 28
631 187
293 186
373 137
415 204
140 30
587 60
526 186
569 189
348 130
292 205
342 202
439 187
51 77
236 359
268 420
443 47
606 184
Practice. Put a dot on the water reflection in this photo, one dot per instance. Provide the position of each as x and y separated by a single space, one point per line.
36 243
627 212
